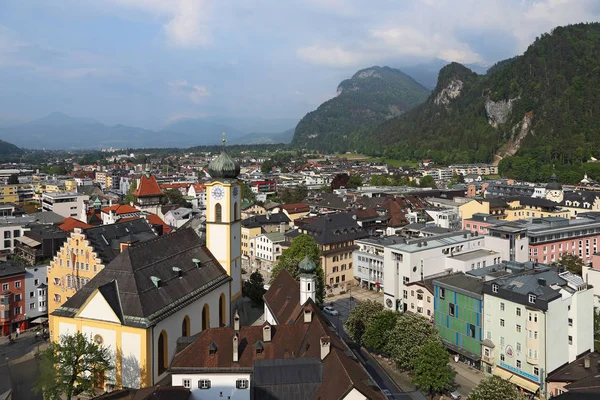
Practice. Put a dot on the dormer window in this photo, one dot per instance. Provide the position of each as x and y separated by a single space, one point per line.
494 288
212 349
532 298
260 347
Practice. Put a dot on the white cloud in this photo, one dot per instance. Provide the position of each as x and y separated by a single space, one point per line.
193 92
333 56
186 21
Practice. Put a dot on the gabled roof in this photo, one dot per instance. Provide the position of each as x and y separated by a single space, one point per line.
283 298
120 209
143 302
294 208
269 219
68 224
148 187
301 340
156 220
104 239
334 228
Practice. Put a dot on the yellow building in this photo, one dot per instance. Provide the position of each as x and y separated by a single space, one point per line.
259 224
8 194
71 185
512 209
223 219
86 252
139 305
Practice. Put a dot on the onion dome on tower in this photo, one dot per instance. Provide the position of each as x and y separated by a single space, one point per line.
307 266
553 184
223 166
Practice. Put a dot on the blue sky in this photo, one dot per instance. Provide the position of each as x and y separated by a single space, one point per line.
148 62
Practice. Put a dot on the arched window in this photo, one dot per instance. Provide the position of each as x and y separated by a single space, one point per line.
222 311
185 326
163 352
205 317
218 216
235 211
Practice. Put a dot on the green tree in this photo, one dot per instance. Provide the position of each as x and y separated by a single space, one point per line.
355 181
411 333
360 319
427 181
379 329
75 364
174 196
302 246
254 288
432 371
572 263
495 388
13 179
129 197
247 193
267 166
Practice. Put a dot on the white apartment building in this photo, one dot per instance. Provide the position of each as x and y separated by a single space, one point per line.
368 260
65 204
535 322
445 217
266 250
417 259
36 292
10 229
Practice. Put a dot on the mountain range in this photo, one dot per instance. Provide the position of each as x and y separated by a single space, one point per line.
60 131
369 98
531 114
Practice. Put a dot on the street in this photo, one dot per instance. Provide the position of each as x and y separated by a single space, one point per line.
18 367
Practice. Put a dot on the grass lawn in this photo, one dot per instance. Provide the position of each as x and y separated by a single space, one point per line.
389 161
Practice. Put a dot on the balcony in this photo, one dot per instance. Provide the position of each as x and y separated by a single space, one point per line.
488 359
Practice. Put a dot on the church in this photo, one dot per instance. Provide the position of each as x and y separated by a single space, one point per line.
156 291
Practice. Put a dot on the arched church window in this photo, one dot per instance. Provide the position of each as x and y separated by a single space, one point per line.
218 213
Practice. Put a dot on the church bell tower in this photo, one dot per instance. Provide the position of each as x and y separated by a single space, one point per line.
223 218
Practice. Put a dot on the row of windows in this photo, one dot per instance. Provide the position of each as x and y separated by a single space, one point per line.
6 286
343 256
206 384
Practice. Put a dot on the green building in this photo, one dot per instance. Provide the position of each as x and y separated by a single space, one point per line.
458 313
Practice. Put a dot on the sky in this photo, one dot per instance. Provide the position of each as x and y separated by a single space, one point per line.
149 62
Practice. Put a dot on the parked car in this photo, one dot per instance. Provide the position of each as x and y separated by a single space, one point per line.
455 395
330 310
387 393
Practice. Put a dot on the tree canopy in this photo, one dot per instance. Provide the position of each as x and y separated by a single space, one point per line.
74 364
302 246
572 263
432 372
495 388
411 333
360 318
254 288
379 329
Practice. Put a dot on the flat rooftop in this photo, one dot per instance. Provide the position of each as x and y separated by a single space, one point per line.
473 255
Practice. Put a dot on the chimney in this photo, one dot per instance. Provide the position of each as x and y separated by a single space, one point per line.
267 333
542 282
124 246
235 347
307 315
236 321
586 362
325 346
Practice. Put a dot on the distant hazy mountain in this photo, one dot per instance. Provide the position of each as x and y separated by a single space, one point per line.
7 149
266 138
61 131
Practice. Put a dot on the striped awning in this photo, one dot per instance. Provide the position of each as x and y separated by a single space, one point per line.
516 379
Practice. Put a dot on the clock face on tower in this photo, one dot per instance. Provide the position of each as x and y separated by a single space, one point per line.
218 193
235 192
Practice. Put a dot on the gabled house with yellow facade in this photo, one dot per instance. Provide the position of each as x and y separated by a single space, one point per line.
150 295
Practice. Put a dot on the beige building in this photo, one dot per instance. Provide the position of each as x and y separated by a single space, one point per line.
335 234
418 298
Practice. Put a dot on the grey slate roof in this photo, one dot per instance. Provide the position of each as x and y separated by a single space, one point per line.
126 281
9 269
106 239
290 379
335 228
261 220
466 284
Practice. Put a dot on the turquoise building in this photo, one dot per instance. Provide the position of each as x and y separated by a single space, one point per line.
458 313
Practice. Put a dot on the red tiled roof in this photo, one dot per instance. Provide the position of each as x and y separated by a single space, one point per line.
68 224
295 208
156 220
199 187
120 209
283 298
298 340
148 187
173 185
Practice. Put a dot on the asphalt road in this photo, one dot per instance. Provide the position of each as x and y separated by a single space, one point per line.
379 375
18 367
